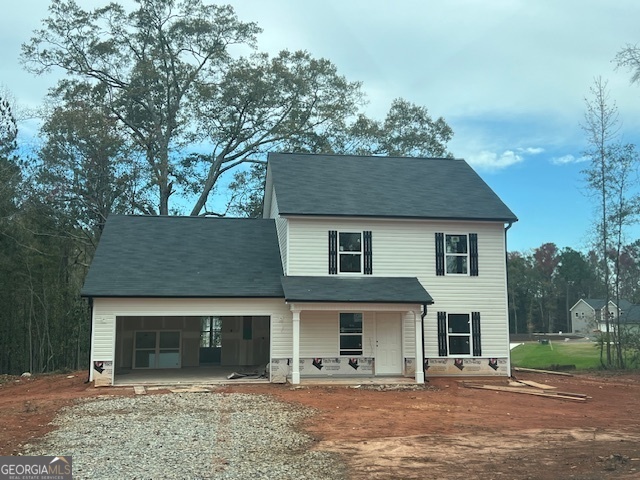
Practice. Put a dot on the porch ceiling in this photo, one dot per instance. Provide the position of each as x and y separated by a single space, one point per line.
406 290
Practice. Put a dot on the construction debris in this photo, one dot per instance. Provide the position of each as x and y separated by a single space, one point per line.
535 370
579 397
190 390
541 386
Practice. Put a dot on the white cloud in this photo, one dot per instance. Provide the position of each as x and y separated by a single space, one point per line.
531 150
486 160
567 159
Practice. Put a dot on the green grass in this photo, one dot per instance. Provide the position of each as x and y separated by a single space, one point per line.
585 356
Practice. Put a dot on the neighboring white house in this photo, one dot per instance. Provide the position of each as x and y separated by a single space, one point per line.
361 266
588 314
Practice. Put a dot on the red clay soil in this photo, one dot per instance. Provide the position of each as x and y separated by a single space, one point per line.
441 431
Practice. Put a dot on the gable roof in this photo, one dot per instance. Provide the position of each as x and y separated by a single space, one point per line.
393 187
598 303
355 289
149 256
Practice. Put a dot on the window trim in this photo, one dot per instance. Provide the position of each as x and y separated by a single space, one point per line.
453 334
474 335
352 353
442 256
464 255
361 252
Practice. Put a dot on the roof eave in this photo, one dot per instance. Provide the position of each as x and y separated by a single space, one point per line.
394 302
407 217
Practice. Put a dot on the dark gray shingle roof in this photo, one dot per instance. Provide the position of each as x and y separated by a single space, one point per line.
598 303
336 185
144 256
631 314
355 289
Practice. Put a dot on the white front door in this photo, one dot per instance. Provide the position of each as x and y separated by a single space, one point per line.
388 344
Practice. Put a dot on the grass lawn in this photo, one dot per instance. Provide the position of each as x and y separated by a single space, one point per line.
535 355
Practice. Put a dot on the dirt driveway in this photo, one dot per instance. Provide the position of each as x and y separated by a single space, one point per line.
441 431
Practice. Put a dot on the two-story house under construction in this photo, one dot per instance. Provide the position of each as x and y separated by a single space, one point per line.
361 266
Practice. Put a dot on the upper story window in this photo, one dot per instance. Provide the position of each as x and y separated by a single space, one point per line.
350 252
457 254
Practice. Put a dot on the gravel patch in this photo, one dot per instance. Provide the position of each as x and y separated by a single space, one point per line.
188 435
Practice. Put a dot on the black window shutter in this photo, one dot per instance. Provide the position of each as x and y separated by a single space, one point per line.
440 254
333 252
475 329
368 258
473 254
442 334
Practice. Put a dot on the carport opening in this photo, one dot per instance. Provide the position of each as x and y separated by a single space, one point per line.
179 342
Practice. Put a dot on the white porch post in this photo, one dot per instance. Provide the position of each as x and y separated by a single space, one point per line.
419 353
295 368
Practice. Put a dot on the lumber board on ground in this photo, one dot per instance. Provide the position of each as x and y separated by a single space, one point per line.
527 391
535 370
542 386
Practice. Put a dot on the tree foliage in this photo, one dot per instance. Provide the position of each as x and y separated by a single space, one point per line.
171 75
149 62
86 167
610 177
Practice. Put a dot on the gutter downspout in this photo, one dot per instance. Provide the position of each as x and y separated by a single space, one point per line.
506 277
90 339
424 314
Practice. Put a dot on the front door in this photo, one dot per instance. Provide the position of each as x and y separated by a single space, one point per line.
388 344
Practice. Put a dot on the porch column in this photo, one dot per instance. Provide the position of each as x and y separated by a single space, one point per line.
419 353
295 368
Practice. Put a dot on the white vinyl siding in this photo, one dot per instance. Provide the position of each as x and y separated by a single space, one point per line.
104 328
406 248
319 334
281 229
409 334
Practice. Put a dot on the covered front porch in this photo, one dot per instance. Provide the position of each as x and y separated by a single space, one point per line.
358 327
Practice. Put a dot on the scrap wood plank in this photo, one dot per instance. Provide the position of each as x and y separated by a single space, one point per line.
542 386
516 383
527 391
535 370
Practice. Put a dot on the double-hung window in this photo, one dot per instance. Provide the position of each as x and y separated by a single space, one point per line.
459 334
350 252
351 334
457 254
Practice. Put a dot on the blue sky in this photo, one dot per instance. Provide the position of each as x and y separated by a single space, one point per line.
509 76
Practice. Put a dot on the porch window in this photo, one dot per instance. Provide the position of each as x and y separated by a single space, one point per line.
351 334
